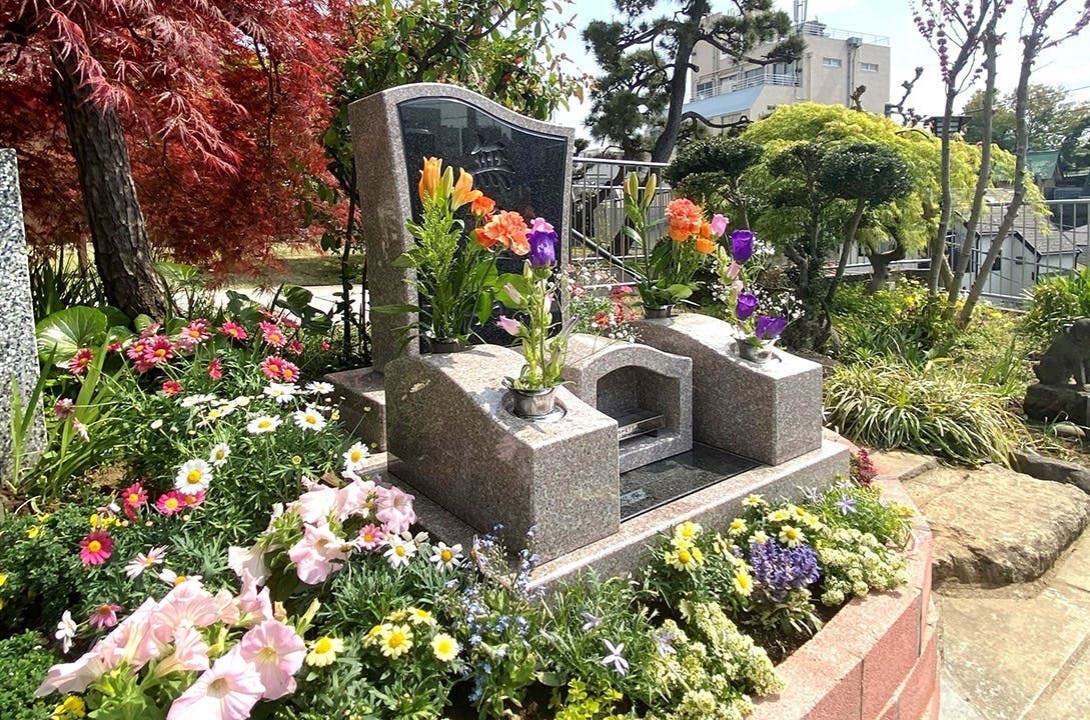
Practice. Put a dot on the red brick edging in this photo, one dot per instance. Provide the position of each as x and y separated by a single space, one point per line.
877 659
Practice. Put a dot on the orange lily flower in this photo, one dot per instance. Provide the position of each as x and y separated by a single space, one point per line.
463 191
430 178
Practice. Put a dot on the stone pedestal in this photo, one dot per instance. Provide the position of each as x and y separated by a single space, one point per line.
363 404
18 351
770 412
635 383
455 441
1053 403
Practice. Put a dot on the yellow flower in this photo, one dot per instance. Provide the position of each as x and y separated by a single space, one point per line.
102 522
688 530
396 640
33 531
685 559
374 632
397 615
3 579
799 512
463 191
680 543
445 647
780 515
43 517
753 501
759 537
791 536
429 179
743 583
737 526
72 707
295 460
418 616
324 651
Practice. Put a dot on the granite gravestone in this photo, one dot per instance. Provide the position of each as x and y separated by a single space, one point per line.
521 163
18 352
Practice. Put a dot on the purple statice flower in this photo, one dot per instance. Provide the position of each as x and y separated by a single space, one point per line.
846 505
741 245
746 306
769 328
543 240
779 569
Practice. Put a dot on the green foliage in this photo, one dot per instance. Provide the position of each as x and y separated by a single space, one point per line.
55 286
23 663
932 410
866 172
1055 302
710 170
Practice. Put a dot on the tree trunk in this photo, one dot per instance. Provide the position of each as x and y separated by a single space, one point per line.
122 253
846 249
991 46
686 40
938 243
880 263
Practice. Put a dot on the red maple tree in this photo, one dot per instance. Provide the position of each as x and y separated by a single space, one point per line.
200 117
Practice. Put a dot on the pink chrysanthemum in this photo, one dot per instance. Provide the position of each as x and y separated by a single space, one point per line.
272 367
233 330
96 548
195 332
170 503
63 408
215 370
171 387
272 334
132 498
289 372
159 350
104 616
79 362
295 347
371 537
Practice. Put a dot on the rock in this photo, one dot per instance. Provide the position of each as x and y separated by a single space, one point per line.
1068 429
1057 402
993 526
1054 470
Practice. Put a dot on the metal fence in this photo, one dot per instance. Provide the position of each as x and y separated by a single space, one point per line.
1036 247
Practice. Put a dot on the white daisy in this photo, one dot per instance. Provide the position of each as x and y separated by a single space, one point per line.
195 400
355 457
319 388
446 558
399 552
193 477
309 419
280 392
219 454
263 424
172 578
142 562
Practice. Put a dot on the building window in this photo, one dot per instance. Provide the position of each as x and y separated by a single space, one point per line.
705 89
868 67
831 62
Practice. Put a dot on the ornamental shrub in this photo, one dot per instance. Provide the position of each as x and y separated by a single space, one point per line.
1054 302
23 661
932 410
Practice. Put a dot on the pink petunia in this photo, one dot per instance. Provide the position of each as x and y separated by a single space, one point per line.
357 498
215 370
96 548
187 605
316 552
315 505
227 691
272 334
79 362
74 677
253 605
104 616
190 653
171 387
395 510
277 652
233 330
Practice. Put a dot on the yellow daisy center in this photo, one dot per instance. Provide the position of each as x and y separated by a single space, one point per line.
194 477
323 645
171 503
446 555
94 546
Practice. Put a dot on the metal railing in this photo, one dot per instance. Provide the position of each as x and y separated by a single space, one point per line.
781 79
817 29
1036 247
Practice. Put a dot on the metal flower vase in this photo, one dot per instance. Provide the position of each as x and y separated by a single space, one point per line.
755 353
654 313
533 404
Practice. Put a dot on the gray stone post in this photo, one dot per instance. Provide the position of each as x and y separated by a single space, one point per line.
18 352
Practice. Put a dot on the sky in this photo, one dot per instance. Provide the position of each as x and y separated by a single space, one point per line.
1068 65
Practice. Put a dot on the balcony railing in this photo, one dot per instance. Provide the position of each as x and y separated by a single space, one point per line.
782 79
817 29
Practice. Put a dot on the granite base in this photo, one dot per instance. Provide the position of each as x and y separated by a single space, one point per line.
363 404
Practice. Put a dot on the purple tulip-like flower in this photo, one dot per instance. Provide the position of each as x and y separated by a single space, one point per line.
543 240
741 245
746 306
510 326
719 224
769 328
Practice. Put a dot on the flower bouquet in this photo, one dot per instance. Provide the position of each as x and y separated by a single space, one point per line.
668 266
760 331
531 294
452 275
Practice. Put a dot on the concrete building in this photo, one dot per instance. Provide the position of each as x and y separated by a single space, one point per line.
834 63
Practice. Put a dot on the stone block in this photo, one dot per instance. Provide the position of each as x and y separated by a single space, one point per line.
521 163
363 404
770 412
456 442
1052 403
1043 467
621 379
18 350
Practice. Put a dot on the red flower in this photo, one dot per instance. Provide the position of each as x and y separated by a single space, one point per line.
325 345
215 371
289 372
133 497
158 351
233 330
272 334
272 367
170 503
96 548
171 387
601 320
79 362
295 347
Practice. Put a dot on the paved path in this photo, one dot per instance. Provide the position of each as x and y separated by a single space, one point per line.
325 296
1020 651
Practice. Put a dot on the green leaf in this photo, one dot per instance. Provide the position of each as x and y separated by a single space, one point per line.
141 322
680 291
63 333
